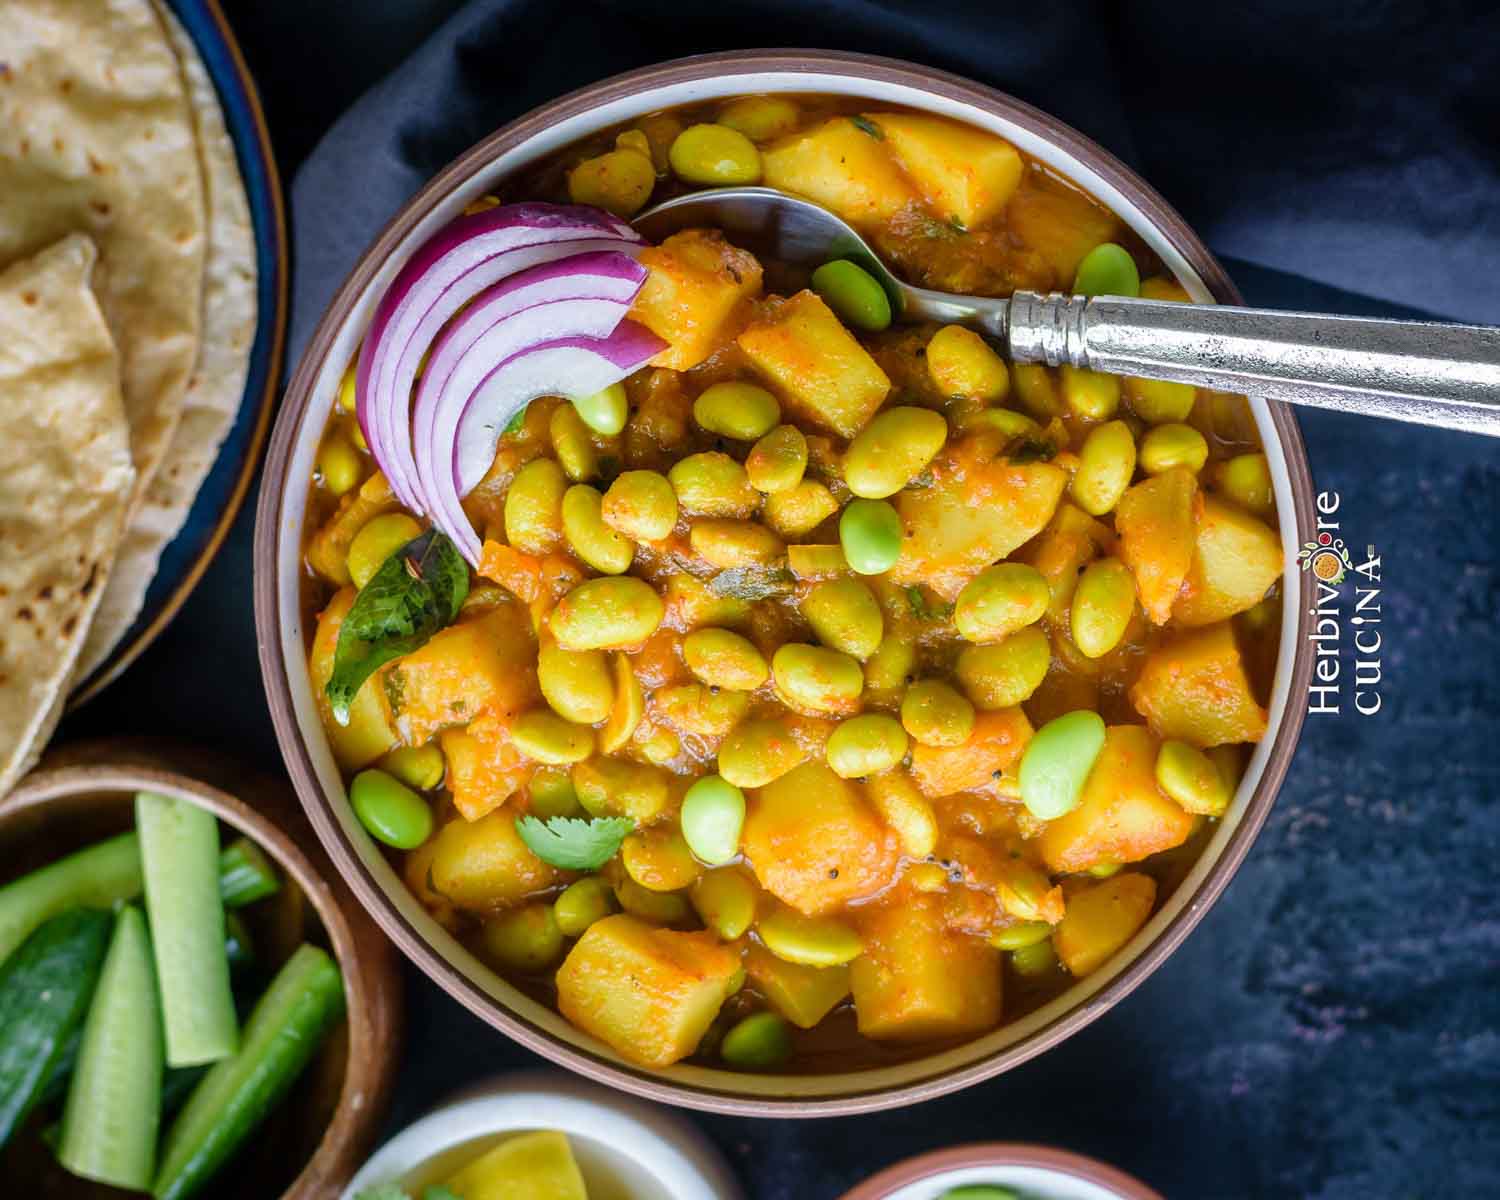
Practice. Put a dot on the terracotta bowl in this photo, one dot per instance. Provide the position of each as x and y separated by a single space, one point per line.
1030 1170
318 1137
283 637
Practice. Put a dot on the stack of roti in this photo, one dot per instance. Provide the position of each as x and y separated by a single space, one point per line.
127 315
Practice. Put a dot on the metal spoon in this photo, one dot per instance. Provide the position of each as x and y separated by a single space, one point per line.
1423 372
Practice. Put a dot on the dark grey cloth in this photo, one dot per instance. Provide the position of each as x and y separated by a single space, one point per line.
1330 1029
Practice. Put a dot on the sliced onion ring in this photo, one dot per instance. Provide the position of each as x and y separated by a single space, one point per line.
584 295
463 259
569 366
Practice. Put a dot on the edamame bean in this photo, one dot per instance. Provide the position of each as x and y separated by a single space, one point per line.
817 562
657 908
1057 762
1092 395
629 706
808 941
641 505
1103 603
533 507
760 118
348 399
712 818
389 810
759 1042
888 668
778 461
604 549
1192 779
619 181
1035 960
1156 401
1107 270
962 365
575 683
572 445
604 412
339 465
1105 869
743 411
892 449
1036 387
715 155
724 659
999 601
866 745
526 940
800 509
1105 466
551 794
815 679
659 859
1005 673
855 296
615 613
706 711
725 544
545 737
936 715
1246 479
725 900
902 806
1020 935
376 541
419 767
713 485
757 752
616 787
870 534
582 903
1006 423
1173 445
845 616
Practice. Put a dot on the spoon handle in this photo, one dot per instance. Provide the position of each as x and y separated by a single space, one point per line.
1424 372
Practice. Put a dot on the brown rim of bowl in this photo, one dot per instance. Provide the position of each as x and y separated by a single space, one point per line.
127 652
269 523
1000 1154
372 981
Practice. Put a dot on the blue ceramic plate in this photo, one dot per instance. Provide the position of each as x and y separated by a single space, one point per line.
186 558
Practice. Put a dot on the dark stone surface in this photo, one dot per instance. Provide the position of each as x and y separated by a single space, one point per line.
1330 1029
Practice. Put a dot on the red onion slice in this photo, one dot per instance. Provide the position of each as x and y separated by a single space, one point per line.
584 295
462 260
576 366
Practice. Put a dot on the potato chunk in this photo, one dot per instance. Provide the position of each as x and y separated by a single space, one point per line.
824 375
1123 816
841 166
964 174
484 865
369 733
815 843
1236 558
1195 689
978 509
484 767
803 995
995 746
1102 919
1157 521
696 294
649 993
917 980
484 665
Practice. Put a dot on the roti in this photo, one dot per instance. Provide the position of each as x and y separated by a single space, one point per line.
66 479
216 386
96 136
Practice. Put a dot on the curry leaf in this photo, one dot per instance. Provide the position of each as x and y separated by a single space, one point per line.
752 583
415 593
574 844
865 125
1033 450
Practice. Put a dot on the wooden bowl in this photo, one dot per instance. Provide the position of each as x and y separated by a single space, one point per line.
1030 1170
283 637
320 1134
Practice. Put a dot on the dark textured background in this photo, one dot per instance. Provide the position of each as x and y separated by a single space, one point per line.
1330 1030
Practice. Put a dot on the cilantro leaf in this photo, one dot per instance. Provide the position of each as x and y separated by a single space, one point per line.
1033 450
574 844
416 592
439 1192
384 1191
924 609
865 125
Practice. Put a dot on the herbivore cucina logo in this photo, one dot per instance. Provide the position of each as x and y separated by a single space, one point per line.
1330 562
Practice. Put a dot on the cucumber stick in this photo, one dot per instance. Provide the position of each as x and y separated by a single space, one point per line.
245 874
180 857
114 1102
45 988
95 877
283 1033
